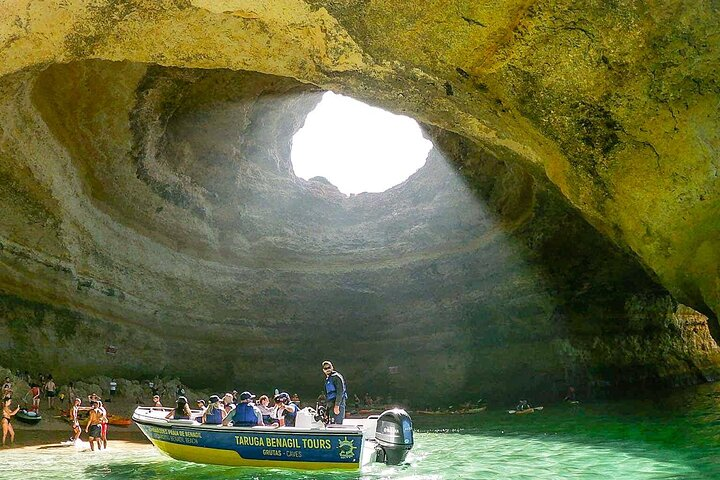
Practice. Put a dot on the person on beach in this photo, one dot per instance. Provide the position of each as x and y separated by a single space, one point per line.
75 420
113 388
7 388
335 393
71 394
7 415
94 426
103 424
50 391
35 394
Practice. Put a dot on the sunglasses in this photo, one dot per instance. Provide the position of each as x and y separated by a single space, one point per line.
327 369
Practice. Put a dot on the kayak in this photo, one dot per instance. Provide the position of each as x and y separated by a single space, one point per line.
527 410
119 421
31 418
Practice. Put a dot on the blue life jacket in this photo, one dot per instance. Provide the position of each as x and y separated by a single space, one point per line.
215 417
290 416
244 415
331 391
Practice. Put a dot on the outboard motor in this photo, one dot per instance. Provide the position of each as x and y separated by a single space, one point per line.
394 436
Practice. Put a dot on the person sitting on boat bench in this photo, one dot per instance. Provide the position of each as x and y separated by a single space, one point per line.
286 410
214 413
181 410
245 413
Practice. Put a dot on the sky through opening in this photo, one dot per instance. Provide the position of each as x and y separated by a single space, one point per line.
356 147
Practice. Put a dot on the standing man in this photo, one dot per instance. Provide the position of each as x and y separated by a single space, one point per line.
94 426
113 388
50 391
335 393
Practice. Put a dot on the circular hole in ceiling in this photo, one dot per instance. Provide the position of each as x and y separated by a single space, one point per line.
356 147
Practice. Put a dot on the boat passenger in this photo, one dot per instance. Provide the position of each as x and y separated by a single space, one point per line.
156 401
215 413
335 393
181 410
245 414
287 410
267 412
228 402
7 415
295 399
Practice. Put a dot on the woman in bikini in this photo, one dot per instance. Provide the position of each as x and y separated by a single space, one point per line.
7 415
75 418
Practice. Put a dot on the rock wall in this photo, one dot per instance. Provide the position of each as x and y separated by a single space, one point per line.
141 191
155 210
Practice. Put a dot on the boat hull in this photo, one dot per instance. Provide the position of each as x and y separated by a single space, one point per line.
256 447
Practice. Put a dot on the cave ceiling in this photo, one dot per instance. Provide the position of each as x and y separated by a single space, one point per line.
146 181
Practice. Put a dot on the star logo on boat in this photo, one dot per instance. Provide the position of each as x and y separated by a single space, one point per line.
347 448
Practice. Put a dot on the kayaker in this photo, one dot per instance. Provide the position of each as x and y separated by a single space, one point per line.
335 392
7 415
214 413
286 410
94 426
245 414
570 397
181 410
523 405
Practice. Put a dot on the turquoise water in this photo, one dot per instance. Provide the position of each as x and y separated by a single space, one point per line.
675 436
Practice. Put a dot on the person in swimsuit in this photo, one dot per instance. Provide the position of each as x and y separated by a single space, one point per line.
7 388
7 415
50 391
94 426
35 394
74 418
103 424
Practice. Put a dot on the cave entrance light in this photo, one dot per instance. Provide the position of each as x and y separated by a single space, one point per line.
356 147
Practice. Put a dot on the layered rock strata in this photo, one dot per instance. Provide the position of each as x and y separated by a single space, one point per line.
160 202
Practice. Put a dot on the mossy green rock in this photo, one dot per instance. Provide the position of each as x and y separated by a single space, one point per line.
147 190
